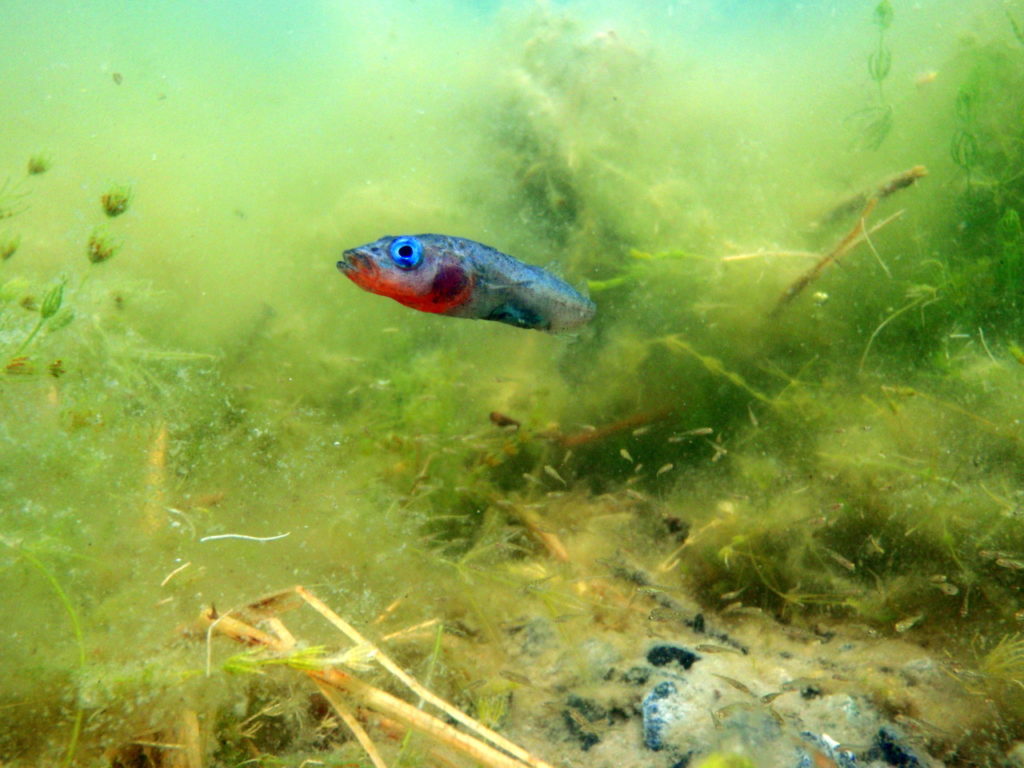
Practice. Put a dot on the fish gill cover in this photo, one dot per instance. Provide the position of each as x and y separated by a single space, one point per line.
789 444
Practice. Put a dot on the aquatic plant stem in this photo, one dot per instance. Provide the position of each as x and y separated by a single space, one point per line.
28 339
925 300
76 627
712 364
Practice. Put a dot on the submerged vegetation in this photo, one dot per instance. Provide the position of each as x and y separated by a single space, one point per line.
876 120
115 200
799 406
101 247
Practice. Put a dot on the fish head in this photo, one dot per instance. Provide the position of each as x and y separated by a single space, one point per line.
419 271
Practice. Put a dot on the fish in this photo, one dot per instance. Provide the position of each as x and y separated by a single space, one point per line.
457 277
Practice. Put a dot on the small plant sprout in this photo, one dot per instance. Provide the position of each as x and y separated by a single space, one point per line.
39 163
51 304
116 200
102 247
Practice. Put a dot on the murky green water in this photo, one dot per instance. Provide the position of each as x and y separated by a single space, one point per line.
827 442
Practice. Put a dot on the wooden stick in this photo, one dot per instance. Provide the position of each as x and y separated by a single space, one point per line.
855 235
349 718
848 241
852 239
330 681
891 185
384 702
410 682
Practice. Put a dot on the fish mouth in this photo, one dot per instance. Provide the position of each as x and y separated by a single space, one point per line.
353 262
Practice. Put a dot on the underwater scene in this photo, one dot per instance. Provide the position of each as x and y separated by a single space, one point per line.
515 384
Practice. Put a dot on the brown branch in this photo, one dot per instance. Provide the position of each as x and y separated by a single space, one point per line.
851 240
855 203
333 682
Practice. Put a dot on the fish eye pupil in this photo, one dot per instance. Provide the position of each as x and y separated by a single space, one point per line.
405 251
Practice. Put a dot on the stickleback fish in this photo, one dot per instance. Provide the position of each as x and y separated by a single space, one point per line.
462 278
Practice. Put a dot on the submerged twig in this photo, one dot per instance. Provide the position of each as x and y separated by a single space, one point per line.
411 683
333 682
850 239
857 202
349 718
856 235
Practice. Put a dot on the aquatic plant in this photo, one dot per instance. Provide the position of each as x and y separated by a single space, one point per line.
964 145
999 674
1009 267
116 200
39 163
51 304
101 246
875 121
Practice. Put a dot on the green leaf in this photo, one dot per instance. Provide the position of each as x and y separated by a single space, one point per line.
52 301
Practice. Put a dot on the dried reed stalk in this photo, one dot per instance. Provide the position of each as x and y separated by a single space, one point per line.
499 753
410 682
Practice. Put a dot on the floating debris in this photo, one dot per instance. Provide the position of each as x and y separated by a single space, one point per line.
501 420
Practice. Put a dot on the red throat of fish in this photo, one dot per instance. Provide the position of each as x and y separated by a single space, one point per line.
451 287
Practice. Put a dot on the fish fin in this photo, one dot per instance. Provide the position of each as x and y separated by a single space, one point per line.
519 316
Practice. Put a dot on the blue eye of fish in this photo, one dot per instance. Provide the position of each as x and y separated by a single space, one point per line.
406 252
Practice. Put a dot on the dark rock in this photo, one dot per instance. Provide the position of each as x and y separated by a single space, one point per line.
660 655
810 692
889 747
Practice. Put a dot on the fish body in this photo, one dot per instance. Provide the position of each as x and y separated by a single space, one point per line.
462 278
